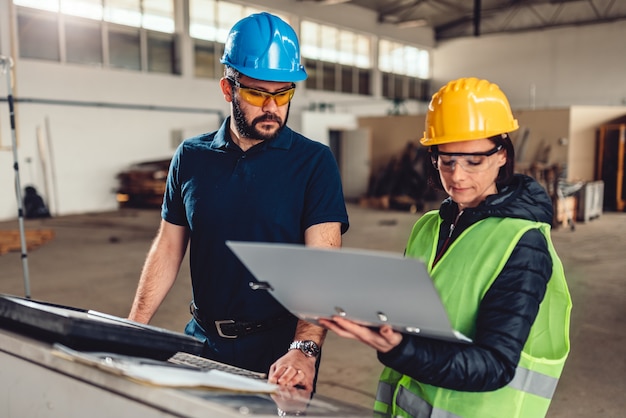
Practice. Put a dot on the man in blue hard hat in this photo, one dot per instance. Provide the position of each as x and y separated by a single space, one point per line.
254 179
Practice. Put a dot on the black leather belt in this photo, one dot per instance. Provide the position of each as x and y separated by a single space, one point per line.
229 328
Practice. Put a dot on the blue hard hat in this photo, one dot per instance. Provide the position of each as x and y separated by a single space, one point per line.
265 47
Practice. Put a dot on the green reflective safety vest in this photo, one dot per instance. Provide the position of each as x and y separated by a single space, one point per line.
462 282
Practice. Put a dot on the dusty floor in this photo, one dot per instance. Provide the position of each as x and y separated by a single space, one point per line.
94 262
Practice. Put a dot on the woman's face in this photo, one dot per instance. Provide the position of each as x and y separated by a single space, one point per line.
468 170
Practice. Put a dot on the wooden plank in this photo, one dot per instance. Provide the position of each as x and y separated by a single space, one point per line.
10 240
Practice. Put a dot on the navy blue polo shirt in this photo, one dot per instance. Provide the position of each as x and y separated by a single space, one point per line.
271 193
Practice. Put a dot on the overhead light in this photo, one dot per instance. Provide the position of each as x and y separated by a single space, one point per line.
415 23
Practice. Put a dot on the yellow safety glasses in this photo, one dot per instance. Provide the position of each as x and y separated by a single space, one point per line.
472 162
259 97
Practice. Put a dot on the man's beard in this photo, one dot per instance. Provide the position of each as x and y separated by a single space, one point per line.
249 130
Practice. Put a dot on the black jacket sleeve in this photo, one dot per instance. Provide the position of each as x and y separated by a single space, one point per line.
505 316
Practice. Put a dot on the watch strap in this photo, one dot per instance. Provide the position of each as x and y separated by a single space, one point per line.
308 347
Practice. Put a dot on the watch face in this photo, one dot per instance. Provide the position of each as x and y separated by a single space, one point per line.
310 348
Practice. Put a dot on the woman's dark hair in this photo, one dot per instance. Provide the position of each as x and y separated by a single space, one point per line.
505 175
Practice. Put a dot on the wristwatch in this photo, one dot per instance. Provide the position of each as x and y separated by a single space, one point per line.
308 347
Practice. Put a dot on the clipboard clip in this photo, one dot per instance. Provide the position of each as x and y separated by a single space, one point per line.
260 286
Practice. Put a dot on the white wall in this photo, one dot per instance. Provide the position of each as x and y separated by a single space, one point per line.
584 123
581 65
318 124
90 143
578 71
569 133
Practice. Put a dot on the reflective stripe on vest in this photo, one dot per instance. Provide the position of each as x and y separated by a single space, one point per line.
525 380
419 408
384 392
534 383
410 402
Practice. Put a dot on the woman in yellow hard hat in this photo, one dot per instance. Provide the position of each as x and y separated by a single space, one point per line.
489 252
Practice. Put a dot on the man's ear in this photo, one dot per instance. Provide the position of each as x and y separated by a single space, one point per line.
227 89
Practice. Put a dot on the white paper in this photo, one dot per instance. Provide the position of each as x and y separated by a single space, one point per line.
171 376
146 371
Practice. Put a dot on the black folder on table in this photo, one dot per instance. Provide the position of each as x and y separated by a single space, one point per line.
369 287
89 330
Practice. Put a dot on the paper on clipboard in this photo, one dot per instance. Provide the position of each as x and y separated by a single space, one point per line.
369 287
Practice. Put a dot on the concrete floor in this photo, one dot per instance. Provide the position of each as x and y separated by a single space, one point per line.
94 262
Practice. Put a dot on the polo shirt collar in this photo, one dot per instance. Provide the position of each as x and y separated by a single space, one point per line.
222 139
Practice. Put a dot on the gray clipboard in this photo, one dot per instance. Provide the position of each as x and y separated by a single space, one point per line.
369 287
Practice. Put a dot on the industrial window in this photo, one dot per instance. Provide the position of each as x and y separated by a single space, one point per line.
419 89
161 50
355 80
206 59
405 69
158 15
131 34
313 74
83 40
335 59
202 23
397 58
124 50
91 9
329 76
364 81
347 79
400 87
39 36
327 43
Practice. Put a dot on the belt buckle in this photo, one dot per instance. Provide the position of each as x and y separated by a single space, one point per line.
218 326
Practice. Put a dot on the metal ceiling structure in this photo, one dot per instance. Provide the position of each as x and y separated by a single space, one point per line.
464 18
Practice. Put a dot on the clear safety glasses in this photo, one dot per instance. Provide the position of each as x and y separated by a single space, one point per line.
472 162
259 97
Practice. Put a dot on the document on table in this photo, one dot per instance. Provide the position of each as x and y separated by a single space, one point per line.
161 373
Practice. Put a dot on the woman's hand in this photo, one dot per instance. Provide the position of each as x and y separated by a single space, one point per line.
383 339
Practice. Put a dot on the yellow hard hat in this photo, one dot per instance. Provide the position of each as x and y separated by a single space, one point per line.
467 109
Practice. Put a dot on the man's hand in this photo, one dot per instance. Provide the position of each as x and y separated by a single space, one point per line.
293 369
